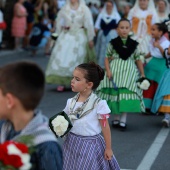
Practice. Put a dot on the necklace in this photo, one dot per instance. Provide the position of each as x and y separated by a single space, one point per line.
76 114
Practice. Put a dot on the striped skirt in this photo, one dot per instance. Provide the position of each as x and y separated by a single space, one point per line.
86 153
165 106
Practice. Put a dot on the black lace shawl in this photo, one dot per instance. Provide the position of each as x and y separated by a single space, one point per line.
124 50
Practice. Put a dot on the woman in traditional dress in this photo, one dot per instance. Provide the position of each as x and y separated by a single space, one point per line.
76 32
163 10
19 22
157 65
161 102
119 87
142 16
106 25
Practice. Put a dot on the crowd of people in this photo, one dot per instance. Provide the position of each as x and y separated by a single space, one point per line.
99 52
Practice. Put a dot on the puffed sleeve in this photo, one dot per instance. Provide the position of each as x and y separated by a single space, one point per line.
49 156
98 21
103 108
66 109
88 23
109 51
103 111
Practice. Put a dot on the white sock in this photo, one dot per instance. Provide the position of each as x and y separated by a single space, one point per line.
123 117
167 116
116 117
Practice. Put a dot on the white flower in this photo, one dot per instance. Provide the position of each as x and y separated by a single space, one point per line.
13 150
25 158
144 85
60 125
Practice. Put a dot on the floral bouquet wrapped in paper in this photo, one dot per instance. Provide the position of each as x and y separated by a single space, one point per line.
143 83
14 156
60 124
54 36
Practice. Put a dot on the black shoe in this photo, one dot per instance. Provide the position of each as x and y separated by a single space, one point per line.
115 123
122 126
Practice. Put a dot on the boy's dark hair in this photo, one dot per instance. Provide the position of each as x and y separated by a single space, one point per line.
24 80
123 19
93 73
162 27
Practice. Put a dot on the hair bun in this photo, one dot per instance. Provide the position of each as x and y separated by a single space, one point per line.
99 69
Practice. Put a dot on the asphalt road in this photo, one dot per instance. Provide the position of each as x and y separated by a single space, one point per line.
143 146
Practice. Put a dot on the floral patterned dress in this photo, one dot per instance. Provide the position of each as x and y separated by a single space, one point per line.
75 29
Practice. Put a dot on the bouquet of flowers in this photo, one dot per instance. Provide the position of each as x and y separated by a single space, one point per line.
14 156
54 36
60 124
143 83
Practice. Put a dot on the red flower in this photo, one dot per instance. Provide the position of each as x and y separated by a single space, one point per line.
8 155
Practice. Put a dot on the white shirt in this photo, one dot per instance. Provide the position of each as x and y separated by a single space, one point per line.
154 51
88 125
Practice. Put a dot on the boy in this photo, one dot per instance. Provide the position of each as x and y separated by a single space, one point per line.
40 36
21 89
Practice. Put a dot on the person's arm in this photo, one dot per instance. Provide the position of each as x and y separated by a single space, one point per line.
108 154
107 66
157 44
168 51
148 55
50 156
39 6
140 67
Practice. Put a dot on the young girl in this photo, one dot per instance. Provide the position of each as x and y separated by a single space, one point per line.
84 147
157 65
119 86
161 102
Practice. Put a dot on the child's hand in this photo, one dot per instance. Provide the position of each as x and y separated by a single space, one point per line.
156 44
109 74
108 154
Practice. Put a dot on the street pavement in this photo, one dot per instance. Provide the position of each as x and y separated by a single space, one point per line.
143 146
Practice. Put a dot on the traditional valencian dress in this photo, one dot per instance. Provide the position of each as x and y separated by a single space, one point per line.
141 21
106 24
164 17
75 29
126 96
161 102
154 70
84 147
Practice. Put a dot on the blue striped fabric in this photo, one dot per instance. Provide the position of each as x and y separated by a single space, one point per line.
86 153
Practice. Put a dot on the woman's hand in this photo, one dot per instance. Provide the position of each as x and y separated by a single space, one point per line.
108 154
91 44
109 74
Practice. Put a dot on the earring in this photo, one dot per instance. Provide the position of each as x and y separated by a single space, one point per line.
85 89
